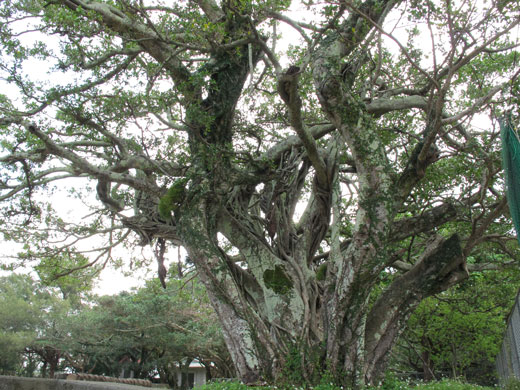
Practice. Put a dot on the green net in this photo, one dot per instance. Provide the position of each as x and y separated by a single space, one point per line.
511 164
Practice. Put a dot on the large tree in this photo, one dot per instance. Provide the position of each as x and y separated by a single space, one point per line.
296 151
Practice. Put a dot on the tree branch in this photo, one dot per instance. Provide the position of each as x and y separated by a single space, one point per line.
146 37
478 231
382 106
440 266
294 24
472 267
211 9
476 105
81 164
288 90
426 221
275 152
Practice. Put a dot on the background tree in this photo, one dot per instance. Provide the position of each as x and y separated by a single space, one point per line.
146 332
55 272
294 177
458 333
17 320
149 331
32 319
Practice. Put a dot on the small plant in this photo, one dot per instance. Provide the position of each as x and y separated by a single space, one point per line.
512 384
392 382
231 385
449 385
327 382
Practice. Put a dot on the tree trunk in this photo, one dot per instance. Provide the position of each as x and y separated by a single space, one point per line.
427 364
362 342
275 313
266 317
224 295
44 370
454 361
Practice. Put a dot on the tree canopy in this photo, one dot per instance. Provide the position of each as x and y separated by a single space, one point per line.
299 152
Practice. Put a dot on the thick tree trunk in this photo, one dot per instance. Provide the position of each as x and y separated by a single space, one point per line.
440 266
246 343
236 330
262 325
362 342
276 305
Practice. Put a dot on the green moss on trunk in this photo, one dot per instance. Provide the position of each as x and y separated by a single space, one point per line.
277 280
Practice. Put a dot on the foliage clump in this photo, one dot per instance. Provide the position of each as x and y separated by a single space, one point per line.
459 332
171 200
229 385
450 384
390 382
321 272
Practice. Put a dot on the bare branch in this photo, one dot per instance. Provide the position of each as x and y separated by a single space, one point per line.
479 103
82 165
478 231
423 222
275 152
294 24
472 267
399 44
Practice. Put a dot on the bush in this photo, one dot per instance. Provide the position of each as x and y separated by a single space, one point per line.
391 382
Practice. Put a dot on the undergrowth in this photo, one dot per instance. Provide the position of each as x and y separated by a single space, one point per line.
389 383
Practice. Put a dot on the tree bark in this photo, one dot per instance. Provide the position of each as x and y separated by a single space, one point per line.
427 364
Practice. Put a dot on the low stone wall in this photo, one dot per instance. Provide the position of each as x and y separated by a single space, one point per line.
19 383
101 378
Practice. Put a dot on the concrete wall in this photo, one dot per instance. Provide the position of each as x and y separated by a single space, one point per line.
199 374
200 377
17 383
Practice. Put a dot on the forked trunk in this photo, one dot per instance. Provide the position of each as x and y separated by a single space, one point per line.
268 333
